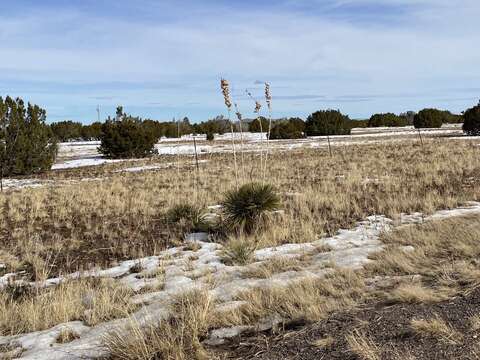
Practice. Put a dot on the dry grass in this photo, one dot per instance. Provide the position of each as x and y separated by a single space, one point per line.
475 323
362 346
48 231
417 293
308 300
73 227
67 335
176 338
92 301
325 342
436 328
315 299
445 253
273 266
238 251
9 352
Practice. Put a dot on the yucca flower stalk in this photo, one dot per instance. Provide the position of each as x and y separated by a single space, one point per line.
225 86
268 100
257 109
242 158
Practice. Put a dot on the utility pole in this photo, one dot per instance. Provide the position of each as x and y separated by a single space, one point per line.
98 113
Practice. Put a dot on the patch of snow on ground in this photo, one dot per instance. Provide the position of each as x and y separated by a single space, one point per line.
24 183
186 270
76 163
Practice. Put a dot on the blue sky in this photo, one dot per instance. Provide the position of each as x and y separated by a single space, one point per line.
164 59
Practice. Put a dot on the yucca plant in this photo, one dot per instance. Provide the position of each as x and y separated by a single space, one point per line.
247 208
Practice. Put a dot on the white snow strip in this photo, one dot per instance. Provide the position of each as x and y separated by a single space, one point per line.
92 161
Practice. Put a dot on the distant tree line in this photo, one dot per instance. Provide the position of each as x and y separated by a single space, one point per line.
285 128
28 145
126 136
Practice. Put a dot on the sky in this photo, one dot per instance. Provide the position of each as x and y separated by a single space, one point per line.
164 59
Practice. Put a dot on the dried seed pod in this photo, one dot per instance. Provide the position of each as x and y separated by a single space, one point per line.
258 106
225 86
237 112
268 96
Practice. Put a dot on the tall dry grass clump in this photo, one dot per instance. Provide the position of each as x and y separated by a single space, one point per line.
91 300
362 346
178 337
307 300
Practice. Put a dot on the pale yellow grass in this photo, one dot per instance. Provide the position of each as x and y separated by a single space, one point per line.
418 293
91 301
436 328
175 338
96 222
362 346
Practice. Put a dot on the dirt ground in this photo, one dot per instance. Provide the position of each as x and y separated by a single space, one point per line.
387 326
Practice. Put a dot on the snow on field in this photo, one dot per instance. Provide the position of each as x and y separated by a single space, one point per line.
157 166
76 163
24 183
247 136
186 270
169 149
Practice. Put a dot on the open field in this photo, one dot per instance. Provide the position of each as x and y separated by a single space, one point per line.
384 220
240 180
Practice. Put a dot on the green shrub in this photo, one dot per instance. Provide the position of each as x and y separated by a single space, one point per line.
357 123
126 137
288 129
210 136
246 209
254 125
27 144
388 120
327 122
471 121
67 130
186 218
408 117
449 118
429 118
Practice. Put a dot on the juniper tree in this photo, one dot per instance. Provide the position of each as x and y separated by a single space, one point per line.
327 122
126 137
27 144
471 124
429 118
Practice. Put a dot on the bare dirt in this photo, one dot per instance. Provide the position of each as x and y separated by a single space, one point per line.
387 326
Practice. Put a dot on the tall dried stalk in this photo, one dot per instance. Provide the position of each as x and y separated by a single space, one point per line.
228 103
268 100
197 177
242 157
257 109
420 136
177 156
